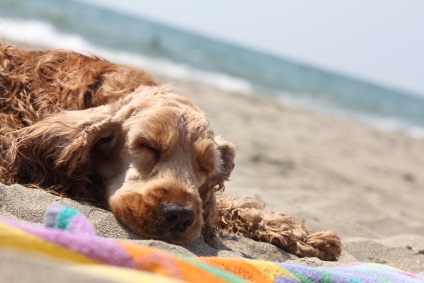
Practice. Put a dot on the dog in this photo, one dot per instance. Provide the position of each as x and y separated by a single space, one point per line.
91 130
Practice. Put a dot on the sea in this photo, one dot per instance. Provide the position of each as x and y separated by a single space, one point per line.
156 47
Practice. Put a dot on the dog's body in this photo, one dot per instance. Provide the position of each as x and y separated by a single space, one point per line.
96 131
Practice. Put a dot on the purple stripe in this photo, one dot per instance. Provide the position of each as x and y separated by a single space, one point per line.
104 250
357 272
80 225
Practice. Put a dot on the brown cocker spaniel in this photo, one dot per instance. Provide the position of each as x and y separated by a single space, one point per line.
91 130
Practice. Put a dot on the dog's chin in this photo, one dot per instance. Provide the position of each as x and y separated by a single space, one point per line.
146 220
175 238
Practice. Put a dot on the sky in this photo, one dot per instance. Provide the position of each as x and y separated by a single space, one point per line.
381 41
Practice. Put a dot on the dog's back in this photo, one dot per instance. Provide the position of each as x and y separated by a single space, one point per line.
36 83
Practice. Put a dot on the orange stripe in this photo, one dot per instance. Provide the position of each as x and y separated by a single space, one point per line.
241 267
168 265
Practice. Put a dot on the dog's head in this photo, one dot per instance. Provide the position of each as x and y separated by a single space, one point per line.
154 153
161 157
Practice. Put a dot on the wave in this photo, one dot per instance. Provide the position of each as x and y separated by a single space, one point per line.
40 33
389 124
44 34
395 125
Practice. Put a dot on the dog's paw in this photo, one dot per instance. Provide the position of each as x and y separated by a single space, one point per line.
326 244
210 236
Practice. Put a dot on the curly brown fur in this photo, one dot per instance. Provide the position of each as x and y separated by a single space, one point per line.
250 218
91 130
36 83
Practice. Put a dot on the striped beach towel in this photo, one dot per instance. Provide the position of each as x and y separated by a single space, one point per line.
69 238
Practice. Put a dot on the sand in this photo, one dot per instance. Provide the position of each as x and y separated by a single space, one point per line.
336 174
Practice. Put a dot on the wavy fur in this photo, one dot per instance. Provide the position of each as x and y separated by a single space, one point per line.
85 128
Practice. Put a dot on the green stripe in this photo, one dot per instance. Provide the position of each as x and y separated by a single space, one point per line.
302 278
326 277
64 217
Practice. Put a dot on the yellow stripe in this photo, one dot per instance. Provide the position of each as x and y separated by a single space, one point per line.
14 238
122 275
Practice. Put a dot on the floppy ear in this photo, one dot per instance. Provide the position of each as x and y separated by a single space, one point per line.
76 153
55 152
213 185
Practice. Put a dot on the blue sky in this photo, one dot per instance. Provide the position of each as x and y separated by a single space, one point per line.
379 40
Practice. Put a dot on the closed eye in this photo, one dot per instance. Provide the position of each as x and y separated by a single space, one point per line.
150 149
207 158
203 170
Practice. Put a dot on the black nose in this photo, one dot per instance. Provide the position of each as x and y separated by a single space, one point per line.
177 217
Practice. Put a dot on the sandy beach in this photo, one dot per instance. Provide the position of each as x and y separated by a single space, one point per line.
336 174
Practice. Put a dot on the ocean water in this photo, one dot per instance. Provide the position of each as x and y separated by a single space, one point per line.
139 42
